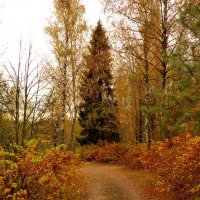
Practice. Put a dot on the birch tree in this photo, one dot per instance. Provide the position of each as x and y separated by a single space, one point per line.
66 34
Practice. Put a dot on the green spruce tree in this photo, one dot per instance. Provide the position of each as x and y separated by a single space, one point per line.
97 112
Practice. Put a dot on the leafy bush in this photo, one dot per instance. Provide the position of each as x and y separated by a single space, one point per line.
113 153
34 175
178 168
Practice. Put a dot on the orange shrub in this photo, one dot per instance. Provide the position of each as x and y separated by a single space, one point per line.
113 153
34 175
178 168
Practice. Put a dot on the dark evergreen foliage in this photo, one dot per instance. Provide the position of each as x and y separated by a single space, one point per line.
98 110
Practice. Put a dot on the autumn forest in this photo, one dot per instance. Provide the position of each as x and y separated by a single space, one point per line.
120 100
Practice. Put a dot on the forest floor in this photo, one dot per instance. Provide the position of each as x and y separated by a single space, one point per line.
112 182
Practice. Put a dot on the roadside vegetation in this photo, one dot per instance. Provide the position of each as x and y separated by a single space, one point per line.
175 169
34 174
127 95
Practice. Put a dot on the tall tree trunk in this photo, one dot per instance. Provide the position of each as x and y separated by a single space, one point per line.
164 43
140 135
55 133
164 59
17 109
74 113
24 125
136 124
17 96
64 98
72 128
140 124
152 126
26 78
147 92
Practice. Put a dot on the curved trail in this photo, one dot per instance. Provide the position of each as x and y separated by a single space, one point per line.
107 182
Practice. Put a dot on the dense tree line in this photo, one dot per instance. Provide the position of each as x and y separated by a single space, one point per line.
138 84
158 65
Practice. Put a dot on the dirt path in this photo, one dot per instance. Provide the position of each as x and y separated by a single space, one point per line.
108 182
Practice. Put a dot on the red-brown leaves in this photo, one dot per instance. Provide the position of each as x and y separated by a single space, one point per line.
177 168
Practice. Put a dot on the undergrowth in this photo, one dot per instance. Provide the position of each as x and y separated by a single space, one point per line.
34 175
176 167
